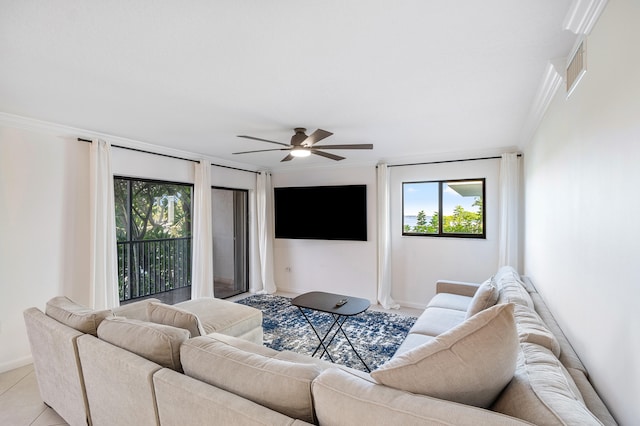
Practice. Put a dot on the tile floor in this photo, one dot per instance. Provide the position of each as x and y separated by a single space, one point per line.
20 403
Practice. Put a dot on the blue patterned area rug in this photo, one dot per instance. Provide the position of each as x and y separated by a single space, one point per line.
375 335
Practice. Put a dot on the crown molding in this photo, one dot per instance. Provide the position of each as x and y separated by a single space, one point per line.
580 19
551 82
583 15
68 132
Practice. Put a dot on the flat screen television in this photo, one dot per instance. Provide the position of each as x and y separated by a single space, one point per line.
321 212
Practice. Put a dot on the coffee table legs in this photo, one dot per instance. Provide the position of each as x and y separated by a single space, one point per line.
338 320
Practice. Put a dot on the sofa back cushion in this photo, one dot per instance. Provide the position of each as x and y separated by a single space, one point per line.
470 364
156 342
162 313
531 329
485 297
280 385
543 392
135 310
76 316
510 287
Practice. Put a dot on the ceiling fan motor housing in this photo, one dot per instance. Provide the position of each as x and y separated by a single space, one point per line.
299 137
302 145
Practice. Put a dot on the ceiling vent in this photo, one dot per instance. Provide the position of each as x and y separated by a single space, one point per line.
576 68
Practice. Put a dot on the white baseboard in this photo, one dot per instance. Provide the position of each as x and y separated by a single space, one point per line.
12 365
411 305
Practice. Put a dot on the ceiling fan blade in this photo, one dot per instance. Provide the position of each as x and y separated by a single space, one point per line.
327 155
316 136
356 146
263 140
262 150
287 158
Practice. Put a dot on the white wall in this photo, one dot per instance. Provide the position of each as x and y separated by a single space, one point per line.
418 262
44 218
44 229
582 175
344 267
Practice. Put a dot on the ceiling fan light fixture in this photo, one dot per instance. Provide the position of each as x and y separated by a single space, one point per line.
300 152
303 146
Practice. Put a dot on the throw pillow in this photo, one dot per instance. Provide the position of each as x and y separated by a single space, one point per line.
485 297
155 342
470 364
161 313
76 316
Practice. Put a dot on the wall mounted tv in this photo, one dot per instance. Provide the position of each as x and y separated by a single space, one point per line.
321 212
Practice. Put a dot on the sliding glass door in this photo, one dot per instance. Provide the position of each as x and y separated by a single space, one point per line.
230 241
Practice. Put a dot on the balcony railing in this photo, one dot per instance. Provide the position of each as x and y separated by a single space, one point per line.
152 267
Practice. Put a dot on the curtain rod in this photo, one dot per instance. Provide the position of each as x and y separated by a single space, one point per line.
447 161
172 156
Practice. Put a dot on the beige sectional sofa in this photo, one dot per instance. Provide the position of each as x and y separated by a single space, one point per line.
488 353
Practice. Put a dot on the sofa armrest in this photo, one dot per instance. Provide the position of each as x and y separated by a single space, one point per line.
342 398
57 367
457 287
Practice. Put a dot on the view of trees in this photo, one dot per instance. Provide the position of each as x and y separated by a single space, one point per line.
151 210
460 222
153 229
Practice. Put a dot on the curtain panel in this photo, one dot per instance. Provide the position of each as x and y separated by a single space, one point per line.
264 216
202 237
384 239
508 245
104 256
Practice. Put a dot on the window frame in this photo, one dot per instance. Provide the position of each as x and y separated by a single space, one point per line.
440 233
130 241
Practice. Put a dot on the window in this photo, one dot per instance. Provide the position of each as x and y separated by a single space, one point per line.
453 208
153 230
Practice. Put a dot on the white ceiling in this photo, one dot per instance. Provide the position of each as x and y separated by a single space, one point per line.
419 79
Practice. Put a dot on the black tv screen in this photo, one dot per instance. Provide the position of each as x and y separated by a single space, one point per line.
321 212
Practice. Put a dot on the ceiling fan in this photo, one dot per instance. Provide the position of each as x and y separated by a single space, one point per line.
302 145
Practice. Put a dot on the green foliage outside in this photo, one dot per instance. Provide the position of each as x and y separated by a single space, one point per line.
460 222
152 221
158 210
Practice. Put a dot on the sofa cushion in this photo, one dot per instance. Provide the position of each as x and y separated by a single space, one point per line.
434 321
76 316
413 340
531 329
351 398
135 310
450 301
568 356
156 342
470 364
161 313
543 392
485 297
283 386
223 316
510 287
591 398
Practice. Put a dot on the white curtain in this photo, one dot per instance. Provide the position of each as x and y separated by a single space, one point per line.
384 240
509 210
264 216
104 259
202 260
